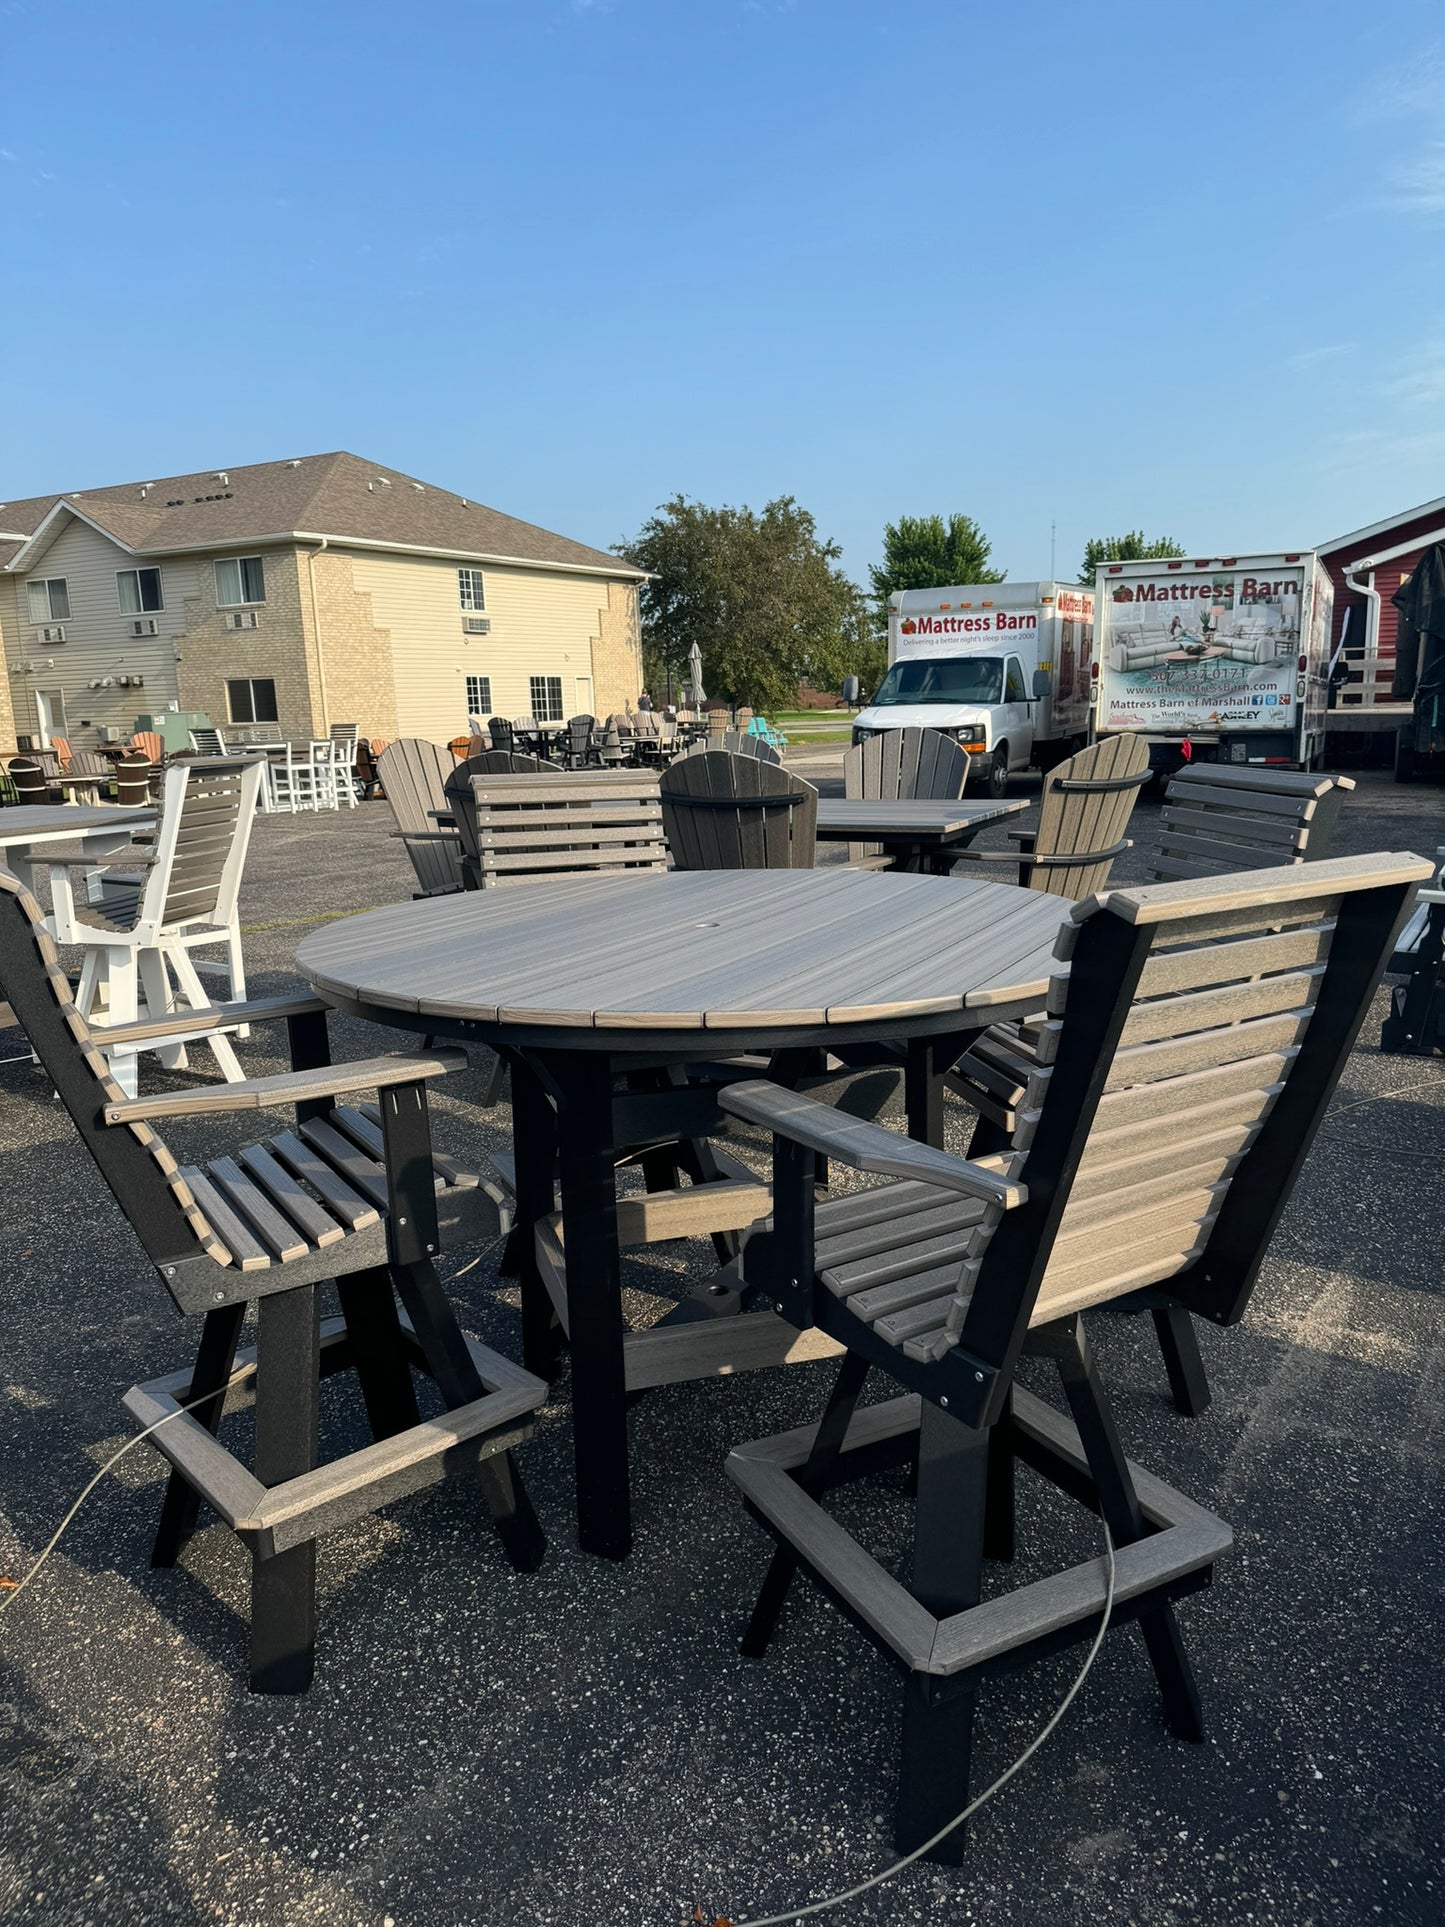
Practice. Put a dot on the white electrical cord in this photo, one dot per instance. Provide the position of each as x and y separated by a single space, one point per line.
877 1879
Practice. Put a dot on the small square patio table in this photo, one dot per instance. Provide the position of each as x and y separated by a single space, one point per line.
919 834
577 979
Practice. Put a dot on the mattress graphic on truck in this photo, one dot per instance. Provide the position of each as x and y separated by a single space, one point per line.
1207 655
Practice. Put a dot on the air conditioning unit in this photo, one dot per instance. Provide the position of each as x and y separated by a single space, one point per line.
243 619
110 734
146 626
52 635
477 625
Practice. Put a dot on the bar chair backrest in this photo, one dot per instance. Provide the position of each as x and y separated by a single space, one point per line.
732 812
1083 812
413 775
1218 818
561 823
919 764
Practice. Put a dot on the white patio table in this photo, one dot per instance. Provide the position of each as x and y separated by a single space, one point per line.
99 828
576 979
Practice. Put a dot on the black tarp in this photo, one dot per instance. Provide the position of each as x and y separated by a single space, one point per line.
1420 670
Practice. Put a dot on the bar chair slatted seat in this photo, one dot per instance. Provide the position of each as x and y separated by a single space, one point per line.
728 811
914 763
351 1193
413 776
1298 815
558 823
1195 1032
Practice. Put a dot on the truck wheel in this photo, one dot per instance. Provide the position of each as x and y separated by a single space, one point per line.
995 781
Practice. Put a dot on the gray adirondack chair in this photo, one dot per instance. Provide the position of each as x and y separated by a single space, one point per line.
1194 1035
913 763
1084 809
414 774
352 1194
736 742
724 811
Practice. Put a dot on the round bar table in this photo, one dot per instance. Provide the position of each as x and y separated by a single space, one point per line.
579 978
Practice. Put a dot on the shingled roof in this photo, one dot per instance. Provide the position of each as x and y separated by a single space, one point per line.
339 496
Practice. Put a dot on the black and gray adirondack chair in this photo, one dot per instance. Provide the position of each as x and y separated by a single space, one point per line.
1282 817
463 806
737 742
897 763
1217 817
577 746
350 1193
1194 1036
413 775
501 733
724 811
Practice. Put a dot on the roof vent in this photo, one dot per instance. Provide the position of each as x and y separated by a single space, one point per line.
294 464
145 489
384 480
420 487
221 476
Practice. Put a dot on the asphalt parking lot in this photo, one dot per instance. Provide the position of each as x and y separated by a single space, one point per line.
586 1744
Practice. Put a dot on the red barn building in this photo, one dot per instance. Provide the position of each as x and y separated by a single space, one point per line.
1366 568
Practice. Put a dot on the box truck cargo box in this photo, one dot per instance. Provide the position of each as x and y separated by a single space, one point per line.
1216 660
1003 667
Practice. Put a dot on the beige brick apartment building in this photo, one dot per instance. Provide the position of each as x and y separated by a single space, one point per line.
300 594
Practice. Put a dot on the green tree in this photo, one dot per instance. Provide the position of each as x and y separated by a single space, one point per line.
925 552
1133 547
759 592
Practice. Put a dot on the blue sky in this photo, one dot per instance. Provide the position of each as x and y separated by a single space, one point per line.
1107 265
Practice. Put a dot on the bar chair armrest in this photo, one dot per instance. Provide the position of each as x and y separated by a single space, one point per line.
861 1145
290 1087
194 1023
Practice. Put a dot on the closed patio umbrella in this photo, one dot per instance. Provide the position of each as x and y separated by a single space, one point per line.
694 671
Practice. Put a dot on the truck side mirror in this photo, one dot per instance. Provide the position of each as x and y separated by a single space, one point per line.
850 691
1042 684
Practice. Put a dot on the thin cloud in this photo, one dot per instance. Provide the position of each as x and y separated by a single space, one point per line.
1418 185
1327 351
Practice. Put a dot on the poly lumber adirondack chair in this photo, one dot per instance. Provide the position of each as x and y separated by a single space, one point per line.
139 932
350 1193
913 763
1195 1033
730 812
1084 810
736 742
413 775
556 823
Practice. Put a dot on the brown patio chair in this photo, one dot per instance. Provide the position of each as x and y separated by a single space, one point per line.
1194 1036
351 1193
898 763
728 811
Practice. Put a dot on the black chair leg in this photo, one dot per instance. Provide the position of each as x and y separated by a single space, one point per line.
378 1351
283 1587
518 1526
215 1361
1182 1362
1183 1708
933 1781
822 1458
998 1518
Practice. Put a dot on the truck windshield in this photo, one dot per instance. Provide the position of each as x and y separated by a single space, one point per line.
942 679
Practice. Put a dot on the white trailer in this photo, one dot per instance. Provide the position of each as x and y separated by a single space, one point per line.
1005 667
1216 659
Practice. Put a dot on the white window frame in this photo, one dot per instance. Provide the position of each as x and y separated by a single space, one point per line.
141 608
544 711
472 591
482 708
238 563
250 682
49 583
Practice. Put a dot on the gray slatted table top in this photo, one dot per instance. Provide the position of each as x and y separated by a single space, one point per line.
42 823
592 958
870 818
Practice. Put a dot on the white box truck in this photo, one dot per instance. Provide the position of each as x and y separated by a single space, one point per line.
1004 667
1216 659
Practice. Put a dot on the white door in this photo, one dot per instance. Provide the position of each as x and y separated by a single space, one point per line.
584 697
50 709
1018 715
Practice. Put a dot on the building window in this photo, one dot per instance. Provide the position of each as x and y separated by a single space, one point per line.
49 600
546 698
470 589
139 591
240 578
479 696
251 699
